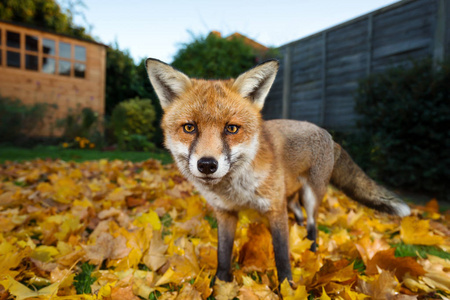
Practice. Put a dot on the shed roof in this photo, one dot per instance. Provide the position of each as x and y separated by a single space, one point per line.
29 26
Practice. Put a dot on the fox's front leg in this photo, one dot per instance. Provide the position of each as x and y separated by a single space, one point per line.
226 228
279 229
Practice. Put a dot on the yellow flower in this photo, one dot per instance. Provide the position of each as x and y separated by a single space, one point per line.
91 145
65 145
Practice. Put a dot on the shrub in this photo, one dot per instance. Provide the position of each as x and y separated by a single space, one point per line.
133 124
81 123
17 120
214 57
406 116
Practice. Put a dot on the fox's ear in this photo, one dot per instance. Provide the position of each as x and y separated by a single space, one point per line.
167 82
255 83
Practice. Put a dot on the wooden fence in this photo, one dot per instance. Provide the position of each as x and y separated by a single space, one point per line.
319 74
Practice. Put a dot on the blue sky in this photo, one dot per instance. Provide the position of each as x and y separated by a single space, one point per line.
149 28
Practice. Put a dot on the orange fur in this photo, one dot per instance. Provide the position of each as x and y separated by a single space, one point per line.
262 165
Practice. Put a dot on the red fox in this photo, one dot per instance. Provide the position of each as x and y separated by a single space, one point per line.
216 135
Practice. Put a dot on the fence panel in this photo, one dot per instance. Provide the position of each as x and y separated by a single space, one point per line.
319 74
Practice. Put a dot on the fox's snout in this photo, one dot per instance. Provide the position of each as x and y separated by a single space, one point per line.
207 165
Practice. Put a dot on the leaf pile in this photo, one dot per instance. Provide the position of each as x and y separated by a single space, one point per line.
121 230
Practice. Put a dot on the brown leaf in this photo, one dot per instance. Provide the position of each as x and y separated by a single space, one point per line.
225 290
107 247
432 206
155 256
337 271
135 201
386 260
382 288
252 290
121 293
246 293
188 292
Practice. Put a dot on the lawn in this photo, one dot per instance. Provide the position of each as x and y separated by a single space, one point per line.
78 155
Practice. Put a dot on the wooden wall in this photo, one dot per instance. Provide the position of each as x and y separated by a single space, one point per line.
66 92
319 74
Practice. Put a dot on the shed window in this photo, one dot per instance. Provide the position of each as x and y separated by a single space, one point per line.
80 53
29 50
13 59
79 70
48 47
48 65
31 43
64 67
31 62
65 50
13 39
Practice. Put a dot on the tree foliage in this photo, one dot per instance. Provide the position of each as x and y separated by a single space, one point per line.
126 80
121 76
46 14
214 57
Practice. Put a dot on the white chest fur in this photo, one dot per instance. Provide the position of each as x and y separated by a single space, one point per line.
239 190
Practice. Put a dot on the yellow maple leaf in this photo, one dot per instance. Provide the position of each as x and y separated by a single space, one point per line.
417 232
70 225
289 293
298 242
20 291
151 218
65 190
44 253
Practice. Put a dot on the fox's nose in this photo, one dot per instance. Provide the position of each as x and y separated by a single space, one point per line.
207 165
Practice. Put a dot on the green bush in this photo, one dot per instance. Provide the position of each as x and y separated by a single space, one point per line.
214 57
133 124
81 123
406 117
18 119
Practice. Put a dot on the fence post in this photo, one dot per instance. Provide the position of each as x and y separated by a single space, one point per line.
440 32
324 78
286 82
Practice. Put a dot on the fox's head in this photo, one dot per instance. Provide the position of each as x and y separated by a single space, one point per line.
211 126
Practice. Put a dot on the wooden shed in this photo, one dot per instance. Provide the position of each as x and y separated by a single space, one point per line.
38 66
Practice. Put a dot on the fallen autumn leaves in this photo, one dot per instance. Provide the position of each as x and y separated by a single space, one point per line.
122 230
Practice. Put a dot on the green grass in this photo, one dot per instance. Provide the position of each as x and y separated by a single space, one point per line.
402 250
78 155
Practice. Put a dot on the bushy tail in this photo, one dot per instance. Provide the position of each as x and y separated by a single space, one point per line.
348 177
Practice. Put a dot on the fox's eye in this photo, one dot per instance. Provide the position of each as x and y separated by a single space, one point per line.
189 128
233 129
